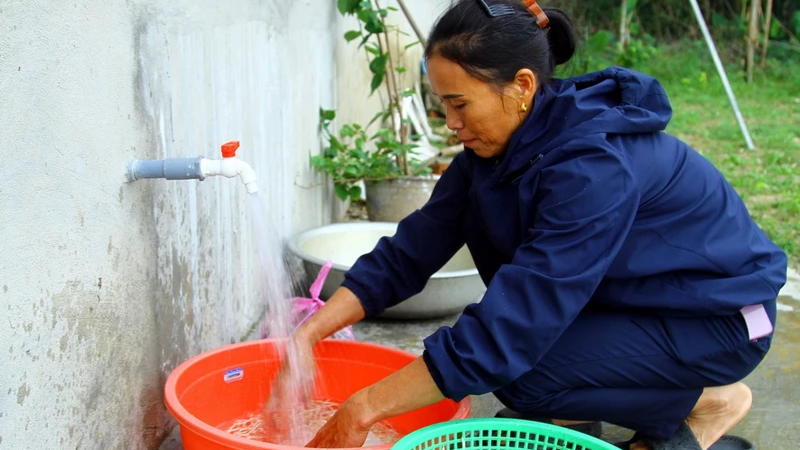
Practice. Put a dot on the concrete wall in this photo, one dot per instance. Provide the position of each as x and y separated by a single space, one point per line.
106 286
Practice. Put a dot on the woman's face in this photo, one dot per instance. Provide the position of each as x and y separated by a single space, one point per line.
483 118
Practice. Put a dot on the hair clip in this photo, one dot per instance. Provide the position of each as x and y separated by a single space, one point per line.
538 12
497 10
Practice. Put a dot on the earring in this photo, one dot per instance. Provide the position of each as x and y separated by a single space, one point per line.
523 107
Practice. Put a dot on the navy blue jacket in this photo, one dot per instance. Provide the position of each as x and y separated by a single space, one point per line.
591 205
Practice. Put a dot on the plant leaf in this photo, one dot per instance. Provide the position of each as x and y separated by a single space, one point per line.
372 22
373 49
381 114
351 170
348 6
378 65
400 69
327 114
377 79
351 35
341 191
374 27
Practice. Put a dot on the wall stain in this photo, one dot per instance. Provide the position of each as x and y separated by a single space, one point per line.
156 421
22 393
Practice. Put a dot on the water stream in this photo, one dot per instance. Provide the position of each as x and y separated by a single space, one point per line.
275 288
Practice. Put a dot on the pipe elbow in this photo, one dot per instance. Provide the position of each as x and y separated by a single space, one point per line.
231 168
248 176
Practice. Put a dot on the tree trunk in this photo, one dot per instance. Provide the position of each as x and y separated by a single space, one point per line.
623 24
752 39
767 26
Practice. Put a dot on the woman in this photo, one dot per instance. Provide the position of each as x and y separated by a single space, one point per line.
626 281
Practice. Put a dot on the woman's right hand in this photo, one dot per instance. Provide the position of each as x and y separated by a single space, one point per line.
290 391
292 387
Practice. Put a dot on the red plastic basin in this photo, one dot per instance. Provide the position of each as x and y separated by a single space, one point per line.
225 384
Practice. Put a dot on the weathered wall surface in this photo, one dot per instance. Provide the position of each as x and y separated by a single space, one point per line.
107 286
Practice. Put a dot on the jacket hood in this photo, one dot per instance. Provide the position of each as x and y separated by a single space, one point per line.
613 101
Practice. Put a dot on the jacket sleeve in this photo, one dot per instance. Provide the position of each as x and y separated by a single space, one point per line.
400 266
586 202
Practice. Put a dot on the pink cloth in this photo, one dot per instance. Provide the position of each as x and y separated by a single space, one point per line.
305 307
757 320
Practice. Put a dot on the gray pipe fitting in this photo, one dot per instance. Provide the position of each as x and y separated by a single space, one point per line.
170 169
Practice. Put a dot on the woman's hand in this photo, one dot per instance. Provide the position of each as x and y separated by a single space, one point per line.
348 428
287 401
409 388
290 391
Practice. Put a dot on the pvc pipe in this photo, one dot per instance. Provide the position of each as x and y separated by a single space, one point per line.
170 168
721 70
198 168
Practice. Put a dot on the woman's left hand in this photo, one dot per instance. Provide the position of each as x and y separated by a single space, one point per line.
346 429
410 388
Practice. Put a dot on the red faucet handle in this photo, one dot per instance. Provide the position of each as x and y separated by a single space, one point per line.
229 149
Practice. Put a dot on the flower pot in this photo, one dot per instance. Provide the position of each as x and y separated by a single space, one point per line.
393 200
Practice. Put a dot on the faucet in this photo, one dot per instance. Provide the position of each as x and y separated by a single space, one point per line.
197 168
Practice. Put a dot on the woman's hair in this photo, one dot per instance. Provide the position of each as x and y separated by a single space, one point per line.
494 49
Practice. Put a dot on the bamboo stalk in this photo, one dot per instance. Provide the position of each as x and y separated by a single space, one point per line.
767 26
752 39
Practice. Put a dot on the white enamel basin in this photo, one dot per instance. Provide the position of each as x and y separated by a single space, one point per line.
448 291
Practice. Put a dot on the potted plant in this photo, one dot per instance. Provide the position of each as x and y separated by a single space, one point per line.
385 162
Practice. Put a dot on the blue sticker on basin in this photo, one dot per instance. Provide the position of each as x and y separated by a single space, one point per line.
233 375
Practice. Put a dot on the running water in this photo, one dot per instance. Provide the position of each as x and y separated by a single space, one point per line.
275 288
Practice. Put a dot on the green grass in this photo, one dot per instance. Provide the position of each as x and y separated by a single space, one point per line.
767 178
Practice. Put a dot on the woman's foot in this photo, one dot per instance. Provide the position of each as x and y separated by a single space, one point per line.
717 411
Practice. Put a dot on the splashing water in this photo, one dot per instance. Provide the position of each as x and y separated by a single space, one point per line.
313 417
276 290
275 282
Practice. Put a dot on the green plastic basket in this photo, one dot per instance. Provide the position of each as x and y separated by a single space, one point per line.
498 434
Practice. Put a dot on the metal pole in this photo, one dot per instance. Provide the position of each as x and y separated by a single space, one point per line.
722 74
